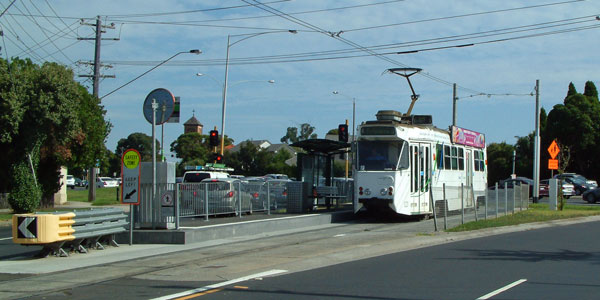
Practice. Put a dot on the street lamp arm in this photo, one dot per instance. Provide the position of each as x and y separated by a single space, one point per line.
251 35
195 51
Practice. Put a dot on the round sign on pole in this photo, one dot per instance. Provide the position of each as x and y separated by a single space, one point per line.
165 104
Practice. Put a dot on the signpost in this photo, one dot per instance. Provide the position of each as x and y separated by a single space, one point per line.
130 179
553 150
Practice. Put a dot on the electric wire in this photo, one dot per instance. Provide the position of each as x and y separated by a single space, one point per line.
447 39
461 16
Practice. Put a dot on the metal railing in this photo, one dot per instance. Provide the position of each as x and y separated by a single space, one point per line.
454 206
222 198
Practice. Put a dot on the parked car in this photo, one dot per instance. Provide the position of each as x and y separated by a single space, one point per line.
518 181
223 196
198 176
106 182
81 182
580 185
71 181
591 196
275 189
568 189
590 182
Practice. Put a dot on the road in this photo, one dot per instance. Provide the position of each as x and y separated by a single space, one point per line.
357 261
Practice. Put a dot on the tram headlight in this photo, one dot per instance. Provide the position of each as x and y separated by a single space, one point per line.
383 192
367 192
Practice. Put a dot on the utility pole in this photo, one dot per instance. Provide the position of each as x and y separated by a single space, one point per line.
454 98
536 154
96 89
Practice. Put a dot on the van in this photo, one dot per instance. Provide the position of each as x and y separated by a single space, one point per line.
198 176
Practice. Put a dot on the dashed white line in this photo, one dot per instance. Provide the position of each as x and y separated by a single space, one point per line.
218 285
500 290
4 239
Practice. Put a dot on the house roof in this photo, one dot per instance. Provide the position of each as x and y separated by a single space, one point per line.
193 121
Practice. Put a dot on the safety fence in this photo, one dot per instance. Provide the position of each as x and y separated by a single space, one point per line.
231 198
456 205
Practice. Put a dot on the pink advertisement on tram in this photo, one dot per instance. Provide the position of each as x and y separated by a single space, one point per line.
467 137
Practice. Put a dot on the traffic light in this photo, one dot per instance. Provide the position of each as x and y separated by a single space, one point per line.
218 158
343 133
213 138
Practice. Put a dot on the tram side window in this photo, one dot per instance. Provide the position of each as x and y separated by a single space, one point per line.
476 159
454 158
447 157
479 161
461 158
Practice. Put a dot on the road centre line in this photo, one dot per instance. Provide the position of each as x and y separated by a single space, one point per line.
500 290
222 284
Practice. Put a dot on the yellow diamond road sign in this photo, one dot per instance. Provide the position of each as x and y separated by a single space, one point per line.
553 149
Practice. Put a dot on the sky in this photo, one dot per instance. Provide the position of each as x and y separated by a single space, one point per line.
493 50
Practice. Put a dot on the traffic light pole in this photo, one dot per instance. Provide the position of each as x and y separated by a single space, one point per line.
347 164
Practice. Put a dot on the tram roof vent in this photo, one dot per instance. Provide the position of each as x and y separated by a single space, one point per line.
389 115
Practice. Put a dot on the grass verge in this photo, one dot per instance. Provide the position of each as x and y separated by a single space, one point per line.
104 196
535 213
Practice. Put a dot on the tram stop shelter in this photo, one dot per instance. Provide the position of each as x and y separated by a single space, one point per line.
315 170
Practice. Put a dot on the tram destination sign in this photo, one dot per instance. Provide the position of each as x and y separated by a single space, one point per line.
468 137
378 130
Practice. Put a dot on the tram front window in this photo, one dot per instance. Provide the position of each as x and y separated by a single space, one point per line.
381 155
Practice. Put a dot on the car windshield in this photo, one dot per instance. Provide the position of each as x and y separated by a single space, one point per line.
382 155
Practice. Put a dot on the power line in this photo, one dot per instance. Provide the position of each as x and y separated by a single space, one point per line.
461 16
294 13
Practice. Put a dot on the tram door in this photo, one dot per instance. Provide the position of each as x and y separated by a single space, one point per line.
420 175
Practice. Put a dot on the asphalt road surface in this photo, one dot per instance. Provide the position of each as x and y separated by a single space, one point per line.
556 262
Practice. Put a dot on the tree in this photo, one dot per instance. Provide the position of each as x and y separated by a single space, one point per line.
576 124
140 142
45 113
252 161
499 156
292 136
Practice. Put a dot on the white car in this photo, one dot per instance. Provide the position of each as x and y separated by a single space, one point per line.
106 182
71 181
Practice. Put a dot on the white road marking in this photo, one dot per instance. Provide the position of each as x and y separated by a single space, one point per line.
500 290
218 285
4 239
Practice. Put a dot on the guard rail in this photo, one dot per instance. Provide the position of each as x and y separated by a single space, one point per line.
74 231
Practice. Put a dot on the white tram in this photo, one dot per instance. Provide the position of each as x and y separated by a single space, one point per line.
403 161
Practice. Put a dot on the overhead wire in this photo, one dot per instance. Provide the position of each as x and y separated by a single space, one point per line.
294 13
348 42
355 45
43 30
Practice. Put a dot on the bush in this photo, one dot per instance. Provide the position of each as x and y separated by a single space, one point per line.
26 194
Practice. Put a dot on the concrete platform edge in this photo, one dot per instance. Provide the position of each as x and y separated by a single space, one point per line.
187 235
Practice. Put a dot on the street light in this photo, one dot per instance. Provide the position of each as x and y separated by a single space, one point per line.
229 44
193 51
